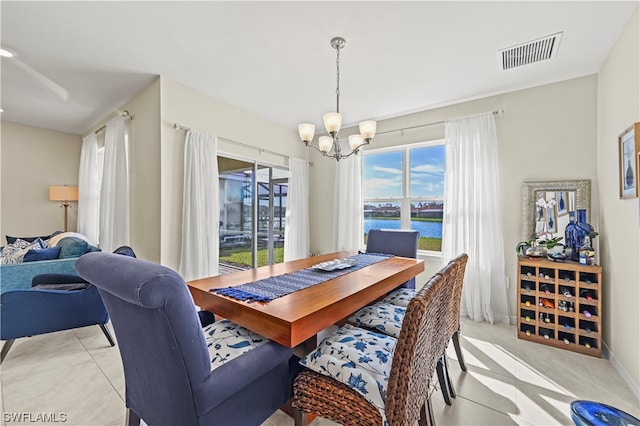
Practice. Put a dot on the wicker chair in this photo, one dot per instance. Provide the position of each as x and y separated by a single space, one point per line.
453 322
452 326
420 344
386 317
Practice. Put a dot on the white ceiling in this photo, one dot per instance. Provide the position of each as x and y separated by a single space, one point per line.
274 58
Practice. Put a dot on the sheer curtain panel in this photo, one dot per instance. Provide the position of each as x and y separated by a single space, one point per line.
348 210
473 216
114 193
89 189
296 230
200 207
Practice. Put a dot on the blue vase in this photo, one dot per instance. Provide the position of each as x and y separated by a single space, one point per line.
568 234
580 230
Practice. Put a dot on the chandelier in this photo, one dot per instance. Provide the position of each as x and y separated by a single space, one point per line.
333 121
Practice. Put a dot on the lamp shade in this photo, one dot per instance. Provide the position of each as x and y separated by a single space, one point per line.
355 141
63 193
332 121
325 143
306 131
368 129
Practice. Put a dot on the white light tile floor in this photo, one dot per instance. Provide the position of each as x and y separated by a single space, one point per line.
508 382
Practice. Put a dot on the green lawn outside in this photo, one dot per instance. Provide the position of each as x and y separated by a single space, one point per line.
433 244
243 256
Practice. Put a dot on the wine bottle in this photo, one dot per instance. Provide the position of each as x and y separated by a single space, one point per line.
587 294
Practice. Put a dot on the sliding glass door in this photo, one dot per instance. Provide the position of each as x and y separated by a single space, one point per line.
253 201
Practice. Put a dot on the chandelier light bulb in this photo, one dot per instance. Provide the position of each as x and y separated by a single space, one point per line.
332 121
355 141
306 131
325 143
368 129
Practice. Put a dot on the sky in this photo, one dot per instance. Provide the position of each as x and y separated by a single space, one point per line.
382 173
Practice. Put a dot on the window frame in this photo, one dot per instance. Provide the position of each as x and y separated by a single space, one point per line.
406 199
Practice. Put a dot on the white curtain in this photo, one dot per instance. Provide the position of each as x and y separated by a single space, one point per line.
89 189
348 209
296 230
114 194
473 217
200 207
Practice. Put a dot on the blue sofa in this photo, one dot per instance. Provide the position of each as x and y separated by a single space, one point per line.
18 276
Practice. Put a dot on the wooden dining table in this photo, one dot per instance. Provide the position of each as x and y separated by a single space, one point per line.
295 319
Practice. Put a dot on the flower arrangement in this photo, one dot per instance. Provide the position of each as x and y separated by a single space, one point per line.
542 238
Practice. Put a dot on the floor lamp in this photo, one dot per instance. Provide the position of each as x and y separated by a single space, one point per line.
64 193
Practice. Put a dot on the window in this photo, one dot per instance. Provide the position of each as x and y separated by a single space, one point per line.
403 188
253 204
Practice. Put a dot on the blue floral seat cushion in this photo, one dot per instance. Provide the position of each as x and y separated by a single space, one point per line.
382 317
361 359
227 341
400 296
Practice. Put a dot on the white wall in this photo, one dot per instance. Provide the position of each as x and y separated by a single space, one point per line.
618 108
187 107
545 133
144 169
32 160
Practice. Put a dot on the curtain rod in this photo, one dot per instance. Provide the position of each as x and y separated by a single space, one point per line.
286 157
496 112
124 113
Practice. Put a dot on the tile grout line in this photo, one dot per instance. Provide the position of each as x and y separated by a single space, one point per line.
98 365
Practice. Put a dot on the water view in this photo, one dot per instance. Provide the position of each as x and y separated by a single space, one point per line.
425 228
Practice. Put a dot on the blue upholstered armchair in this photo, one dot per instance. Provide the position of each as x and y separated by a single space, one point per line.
172 373
71 303
396 242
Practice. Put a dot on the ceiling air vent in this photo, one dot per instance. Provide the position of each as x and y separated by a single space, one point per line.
532 51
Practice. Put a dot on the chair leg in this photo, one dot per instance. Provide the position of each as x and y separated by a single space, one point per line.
447 376
456 345
105 330
423 420
429 412
5 349
300 418
132 418
442 380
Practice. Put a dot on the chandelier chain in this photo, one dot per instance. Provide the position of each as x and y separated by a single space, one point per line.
337 80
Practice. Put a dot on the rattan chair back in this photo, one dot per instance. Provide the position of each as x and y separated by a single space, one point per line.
421 342
453 314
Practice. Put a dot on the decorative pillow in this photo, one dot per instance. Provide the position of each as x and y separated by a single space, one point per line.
11 240
227 340
42 254
358 358
55 239
72 247
14 253
400 297
383 317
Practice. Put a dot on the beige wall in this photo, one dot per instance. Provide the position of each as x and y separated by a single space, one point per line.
32 160
545 133
618 108
144 169
187 107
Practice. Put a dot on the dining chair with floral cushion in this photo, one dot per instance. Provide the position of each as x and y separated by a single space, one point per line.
361 377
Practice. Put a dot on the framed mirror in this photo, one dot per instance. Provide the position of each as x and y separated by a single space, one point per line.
568 195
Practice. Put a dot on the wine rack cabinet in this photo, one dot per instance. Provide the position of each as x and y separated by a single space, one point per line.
560 304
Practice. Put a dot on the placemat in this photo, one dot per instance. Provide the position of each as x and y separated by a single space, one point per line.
273 287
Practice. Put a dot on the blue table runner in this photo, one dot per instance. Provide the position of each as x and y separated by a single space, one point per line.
273 287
